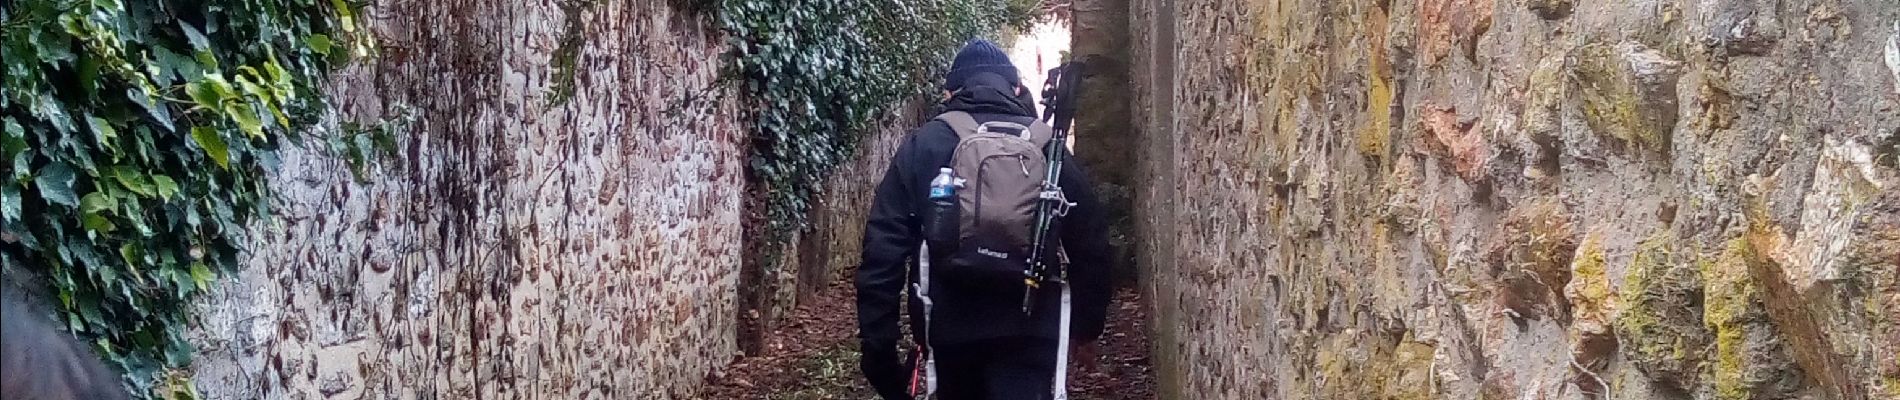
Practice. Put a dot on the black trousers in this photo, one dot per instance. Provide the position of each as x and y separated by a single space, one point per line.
996 369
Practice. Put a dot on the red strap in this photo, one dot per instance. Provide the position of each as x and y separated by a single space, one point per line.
917 372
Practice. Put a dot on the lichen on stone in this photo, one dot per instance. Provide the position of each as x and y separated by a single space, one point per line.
1629 92
1750 360
1660 326
1542 115
1592 342
1375 137
1397 367
1589 290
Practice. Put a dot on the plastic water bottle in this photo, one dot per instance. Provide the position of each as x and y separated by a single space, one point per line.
944 186
940 226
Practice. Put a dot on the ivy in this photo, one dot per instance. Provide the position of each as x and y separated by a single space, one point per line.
137 139
819 73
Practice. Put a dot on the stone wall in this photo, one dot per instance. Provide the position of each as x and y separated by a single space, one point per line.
1103 134
1152 77
1548 199
516 244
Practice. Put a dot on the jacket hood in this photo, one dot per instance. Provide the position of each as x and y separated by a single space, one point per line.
989 93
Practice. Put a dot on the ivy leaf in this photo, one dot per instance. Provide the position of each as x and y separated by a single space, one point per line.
10 201
160 114
207 59
131 178
103 133
345 14
208 92
97 223
89 310
319 43
200 44
248 79
213 145
201 275
165 185
246 118
179 280
193 217
55 184
50 110
277 77
277 112
195 36
133 256
50 45
88 71
180 354
96 202
13 145
179 66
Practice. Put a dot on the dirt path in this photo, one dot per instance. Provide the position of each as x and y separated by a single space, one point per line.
813 355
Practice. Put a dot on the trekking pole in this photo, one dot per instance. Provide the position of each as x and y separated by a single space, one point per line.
1059 99
1053 205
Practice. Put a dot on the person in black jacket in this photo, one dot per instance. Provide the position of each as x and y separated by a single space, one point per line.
986 347
38 362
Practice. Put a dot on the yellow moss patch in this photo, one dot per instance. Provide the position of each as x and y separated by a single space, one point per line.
1363 367
1730 294
1612 103
1893 387
1661 332
1411 373
1374 138
1892 383
1589 290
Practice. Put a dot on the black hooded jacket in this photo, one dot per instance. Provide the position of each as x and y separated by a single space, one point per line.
893 233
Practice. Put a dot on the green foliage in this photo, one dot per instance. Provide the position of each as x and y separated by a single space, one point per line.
137 139
362 144
821 72
567 56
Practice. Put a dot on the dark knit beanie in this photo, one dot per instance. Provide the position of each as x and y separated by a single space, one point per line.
977 57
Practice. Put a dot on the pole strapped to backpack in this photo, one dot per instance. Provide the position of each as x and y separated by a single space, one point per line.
1059 101
1058 97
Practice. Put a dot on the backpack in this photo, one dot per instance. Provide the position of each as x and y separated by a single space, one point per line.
1002 166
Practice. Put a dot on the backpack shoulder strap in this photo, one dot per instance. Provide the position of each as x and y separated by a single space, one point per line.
961 122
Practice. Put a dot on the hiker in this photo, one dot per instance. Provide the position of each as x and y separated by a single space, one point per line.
38 362
985 341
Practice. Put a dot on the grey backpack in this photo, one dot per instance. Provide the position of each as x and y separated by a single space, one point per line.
1002 165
